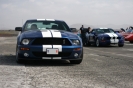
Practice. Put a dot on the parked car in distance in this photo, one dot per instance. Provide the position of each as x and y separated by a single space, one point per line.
129 38
127 32
104 37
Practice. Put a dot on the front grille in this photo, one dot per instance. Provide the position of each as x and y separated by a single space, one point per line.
108 37
44 54
118 37
51 41
113 38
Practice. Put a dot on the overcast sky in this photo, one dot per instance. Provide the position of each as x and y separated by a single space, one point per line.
92 12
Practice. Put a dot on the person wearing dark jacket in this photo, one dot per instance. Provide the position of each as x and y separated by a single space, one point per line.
88 30
83 34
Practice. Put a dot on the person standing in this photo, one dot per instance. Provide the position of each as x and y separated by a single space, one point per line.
88 31
83 34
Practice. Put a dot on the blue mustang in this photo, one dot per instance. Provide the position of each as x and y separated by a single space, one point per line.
103 37
42 39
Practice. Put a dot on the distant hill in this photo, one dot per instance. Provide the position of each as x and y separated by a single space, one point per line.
77 26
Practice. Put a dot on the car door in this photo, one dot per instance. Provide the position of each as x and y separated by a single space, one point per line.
92 36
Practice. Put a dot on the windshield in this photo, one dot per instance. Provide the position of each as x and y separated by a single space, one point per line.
104 31
129 31
45 25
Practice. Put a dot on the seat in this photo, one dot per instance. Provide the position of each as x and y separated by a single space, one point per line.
34 26
54 26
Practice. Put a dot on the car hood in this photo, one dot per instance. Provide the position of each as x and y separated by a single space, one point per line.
125 34
49 33
110 35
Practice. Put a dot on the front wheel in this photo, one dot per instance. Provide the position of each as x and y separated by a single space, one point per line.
77 61
88 44
17 56
131 41
97 44
120 45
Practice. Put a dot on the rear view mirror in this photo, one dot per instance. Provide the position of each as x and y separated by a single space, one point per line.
18 29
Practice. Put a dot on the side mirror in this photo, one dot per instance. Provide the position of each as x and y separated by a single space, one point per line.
73 30
116 31
18 29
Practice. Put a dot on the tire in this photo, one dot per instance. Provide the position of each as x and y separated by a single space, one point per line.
77 61
120 45
17 56
88 44
131 41
97 44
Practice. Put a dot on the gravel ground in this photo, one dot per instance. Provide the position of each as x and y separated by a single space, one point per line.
102 67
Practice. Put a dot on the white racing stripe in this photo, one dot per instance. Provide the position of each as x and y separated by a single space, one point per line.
46 57
50 19
44 50
60 50
58 58
46 46
40 19
56 33
46 33
58 47
115 35
111 37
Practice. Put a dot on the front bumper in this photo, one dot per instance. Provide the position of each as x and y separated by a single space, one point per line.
37 53
108 42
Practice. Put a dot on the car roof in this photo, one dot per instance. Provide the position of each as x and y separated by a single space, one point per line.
44 20
102 28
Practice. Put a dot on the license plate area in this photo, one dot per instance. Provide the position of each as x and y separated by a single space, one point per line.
52 51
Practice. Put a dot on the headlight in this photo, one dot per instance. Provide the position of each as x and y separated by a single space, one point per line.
25 41
75 42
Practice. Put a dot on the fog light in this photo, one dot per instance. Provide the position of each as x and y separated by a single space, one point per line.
75 55
26 54
24 49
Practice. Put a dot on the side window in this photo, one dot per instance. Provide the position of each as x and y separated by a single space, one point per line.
100 31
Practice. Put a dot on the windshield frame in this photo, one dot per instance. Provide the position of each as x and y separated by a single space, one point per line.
60 22
111 31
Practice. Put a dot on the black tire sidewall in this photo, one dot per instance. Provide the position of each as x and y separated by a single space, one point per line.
96 43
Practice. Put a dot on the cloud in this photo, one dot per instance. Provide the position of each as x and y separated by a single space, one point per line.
72 11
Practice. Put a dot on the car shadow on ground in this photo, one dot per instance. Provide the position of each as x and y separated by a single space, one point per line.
11 60
109 46
47 63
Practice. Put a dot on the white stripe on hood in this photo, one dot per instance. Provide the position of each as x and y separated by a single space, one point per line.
46 33
111 35
56 33
116 37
